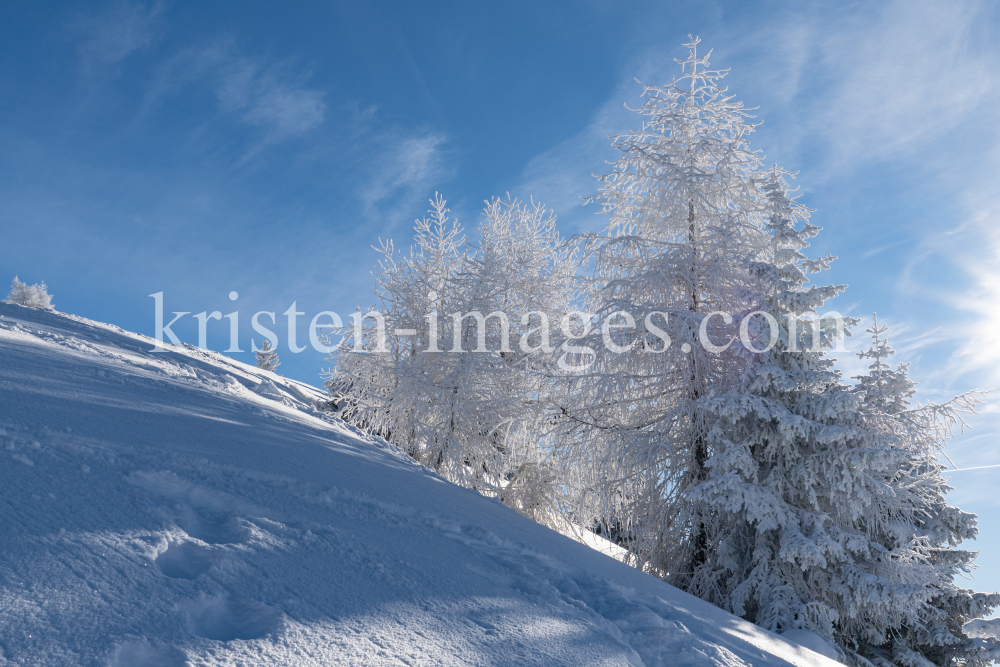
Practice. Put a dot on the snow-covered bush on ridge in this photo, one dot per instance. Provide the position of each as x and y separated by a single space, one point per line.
32 296
267 357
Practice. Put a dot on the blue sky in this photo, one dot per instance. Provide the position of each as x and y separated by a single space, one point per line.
201 148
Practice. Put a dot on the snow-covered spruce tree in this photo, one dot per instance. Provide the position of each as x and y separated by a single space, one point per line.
267 357
685 222
886 395
460 394
32 296
816 503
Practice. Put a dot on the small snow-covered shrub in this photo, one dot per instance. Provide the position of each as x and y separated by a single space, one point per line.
267 357
32 296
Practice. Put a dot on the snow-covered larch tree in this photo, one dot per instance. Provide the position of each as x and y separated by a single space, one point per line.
685 223
523 273
821 501
453 387
267 357
32 296
388 368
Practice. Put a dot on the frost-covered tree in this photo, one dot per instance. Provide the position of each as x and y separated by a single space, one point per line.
685 222
385 371
387 375
939 637
522 271
453 387
824 506
32 296
267 357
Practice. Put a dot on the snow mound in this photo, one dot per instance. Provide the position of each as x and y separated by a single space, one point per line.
182 508
267 388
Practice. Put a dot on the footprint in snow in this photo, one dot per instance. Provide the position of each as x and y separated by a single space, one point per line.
185 560
213 527
143 654
223 618
488 628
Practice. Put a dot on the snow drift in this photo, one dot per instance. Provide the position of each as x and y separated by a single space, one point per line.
183 508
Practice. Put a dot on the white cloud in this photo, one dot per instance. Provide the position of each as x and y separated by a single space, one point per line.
264 95
900 77
284 110
400 169
978 262
111 36
267 97
955 275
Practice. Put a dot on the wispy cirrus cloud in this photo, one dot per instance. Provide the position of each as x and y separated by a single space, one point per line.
971 302
268 98
903 79
271 97
110 36
406 168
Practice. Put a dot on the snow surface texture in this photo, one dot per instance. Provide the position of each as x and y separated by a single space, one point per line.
181 508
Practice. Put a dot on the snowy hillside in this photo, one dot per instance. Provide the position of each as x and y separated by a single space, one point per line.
183 508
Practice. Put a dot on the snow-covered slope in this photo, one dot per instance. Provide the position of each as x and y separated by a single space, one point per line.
183 508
